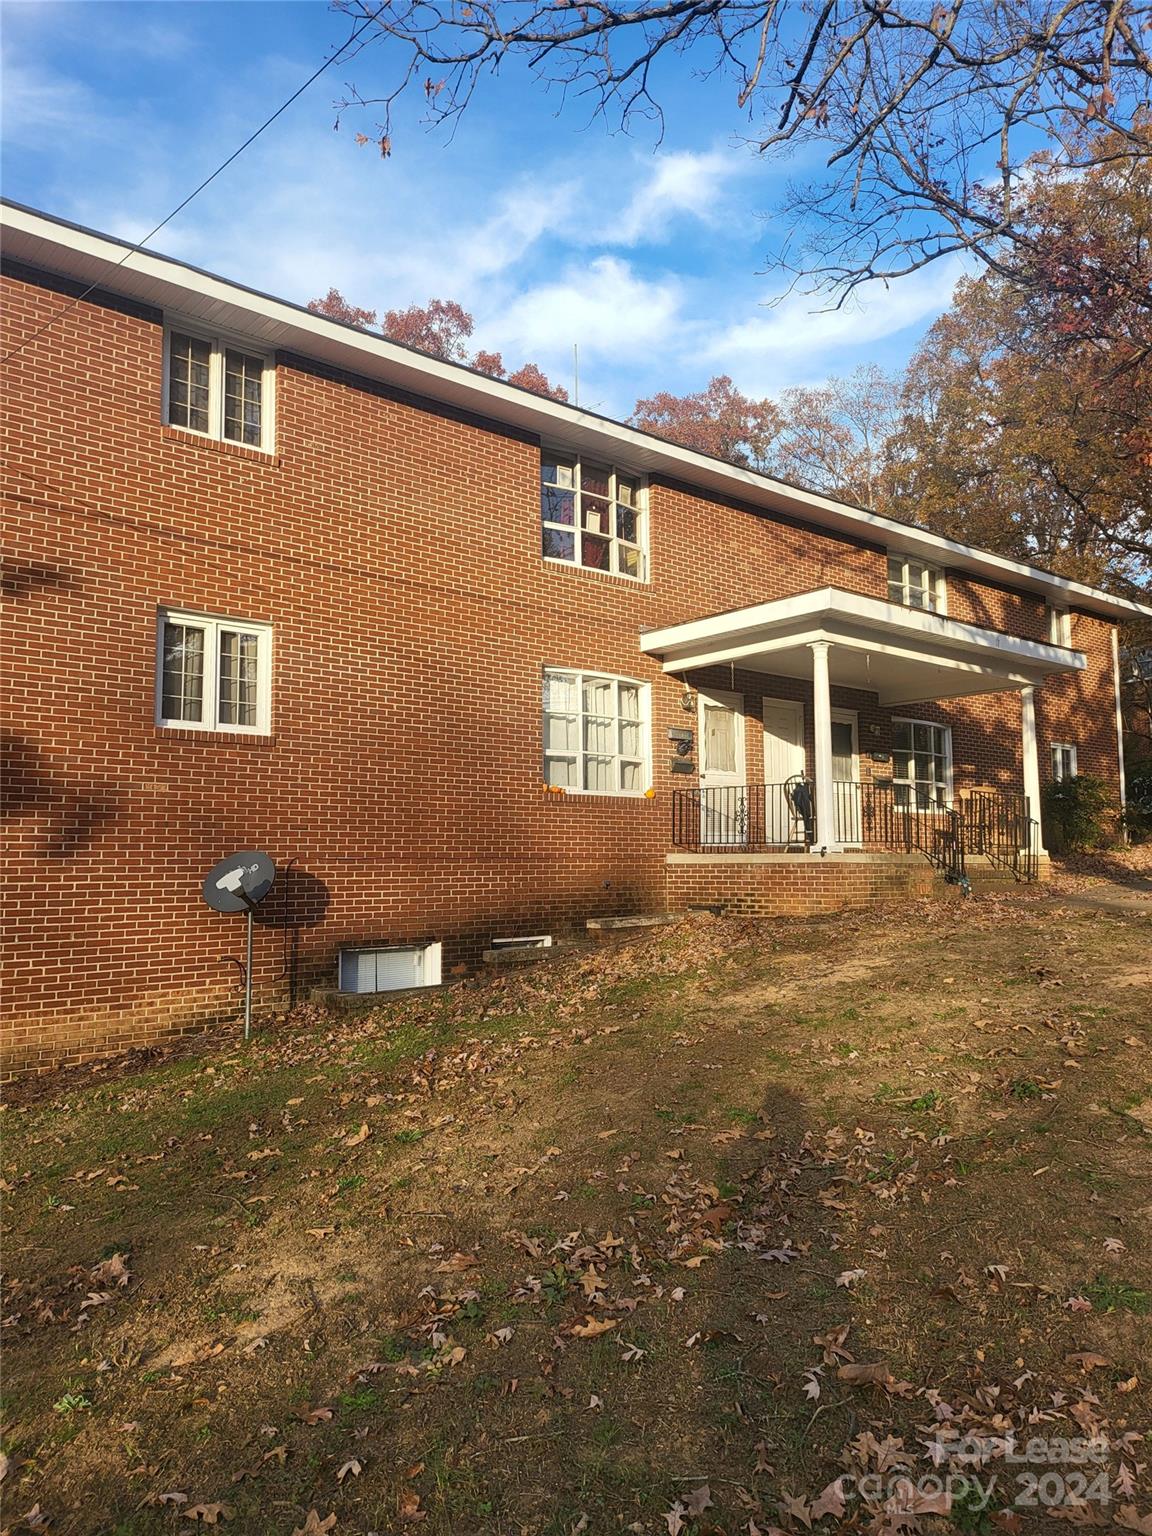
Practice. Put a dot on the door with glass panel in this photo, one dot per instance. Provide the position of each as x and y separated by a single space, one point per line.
723 780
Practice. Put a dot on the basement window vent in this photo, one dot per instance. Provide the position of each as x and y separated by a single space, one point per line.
390 968
532 941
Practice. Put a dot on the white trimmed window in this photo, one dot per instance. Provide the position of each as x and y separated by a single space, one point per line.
595 733
213 674
921 764
592 515
1063 761
1060 627
913 584
218 388
390 968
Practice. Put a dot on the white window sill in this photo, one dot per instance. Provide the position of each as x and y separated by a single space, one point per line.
592 570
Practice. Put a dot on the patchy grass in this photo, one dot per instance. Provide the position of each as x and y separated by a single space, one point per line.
671 1235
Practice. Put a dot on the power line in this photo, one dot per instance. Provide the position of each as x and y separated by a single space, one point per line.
223 166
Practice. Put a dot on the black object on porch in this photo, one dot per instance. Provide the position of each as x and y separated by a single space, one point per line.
877 817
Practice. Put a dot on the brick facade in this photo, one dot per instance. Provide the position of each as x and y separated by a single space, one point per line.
393 545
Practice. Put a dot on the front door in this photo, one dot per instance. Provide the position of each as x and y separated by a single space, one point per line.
783 760
723 781
846 775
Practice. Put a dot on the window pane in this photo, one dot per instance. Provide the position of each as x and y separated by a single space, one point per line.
595 553
558 546
626 524
560 692
189 360
630 745
243 378
561 771
595 514
901 736
556 471
629 560
630 776
599 773
598 698
557 506
593 481
629 701
238 678
627 491
599 734
182 689
719 739
560 733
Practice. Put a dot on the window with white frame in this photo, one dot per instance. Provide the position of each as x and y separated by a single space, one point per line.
921 764
213 674
218 388
592 515
1063 761
915 585
390 968
595 733
1059 627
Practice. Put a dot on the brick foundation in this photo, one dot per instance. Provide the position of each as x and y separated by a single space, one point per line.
797 885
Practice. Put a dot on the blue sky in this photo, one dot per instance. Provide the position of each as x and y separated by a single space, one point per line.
656 260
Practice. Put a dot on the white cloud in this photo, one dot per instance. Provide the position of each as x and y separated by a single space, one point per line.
604 306
801 333
680 184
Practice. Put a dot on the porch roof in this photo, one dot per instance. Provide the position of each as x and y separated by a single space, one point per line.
903 655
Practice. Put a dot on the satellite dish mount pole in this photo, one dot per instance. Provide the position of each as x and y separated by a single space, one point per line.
239 884
251 905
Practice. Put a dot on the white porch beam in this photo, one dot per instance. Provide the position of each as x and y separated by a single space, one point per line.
822 722
1031 756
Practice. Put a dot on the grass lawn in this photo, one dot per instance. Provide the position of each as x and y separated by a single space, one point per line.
736 1228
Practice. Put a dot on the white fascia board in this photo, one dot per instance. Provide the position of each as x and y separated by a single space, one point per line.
766 626
88 256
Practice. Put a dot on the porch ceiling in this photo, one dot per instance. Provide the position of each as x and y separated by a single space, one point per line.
903 655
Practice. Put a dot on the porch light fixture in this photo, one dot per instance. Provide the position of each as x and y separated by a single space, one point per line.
687 700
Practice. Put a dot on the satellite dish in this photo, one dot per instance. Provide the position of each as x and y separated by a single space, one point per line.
239 883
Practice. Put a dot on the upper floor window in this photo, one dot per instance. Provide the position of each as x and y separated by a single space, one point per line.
595 733
218 388
914 584
1063 761
213 674
921 764
1059 627
592 515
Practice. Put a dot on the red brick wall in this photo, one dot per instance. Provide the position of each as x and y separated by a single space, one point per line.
393 545
779 886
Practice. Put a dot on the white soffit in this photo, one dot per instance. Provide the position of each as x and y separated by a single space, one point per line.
87 256
903 655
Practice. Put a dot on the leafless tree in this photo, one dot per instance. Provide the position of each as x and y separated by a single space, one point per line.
927 113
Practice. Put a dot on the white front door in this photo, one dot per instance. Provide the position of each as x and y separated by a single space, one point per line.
783 760
723 779
846 775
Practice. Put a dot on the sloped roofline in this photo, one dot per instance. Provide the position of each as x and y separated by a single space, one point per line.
88 256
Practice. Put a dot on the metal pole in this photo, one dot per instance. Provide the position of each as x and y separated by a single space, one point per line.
248 982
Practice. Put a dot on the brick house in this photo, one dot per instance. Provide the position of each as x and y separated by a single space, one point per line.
469 664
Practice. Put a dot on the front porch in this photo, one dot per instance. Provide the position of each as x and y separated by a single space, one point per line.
857 759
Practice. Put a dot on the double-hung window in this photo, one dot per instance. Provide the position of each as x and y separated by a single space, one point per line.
913 584
1059 627
213 674
592 515
921 764
218 389
595 733
1063 761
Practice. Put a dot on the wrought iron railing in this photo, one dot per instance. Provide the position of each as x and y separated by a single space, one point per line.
743 818
875 817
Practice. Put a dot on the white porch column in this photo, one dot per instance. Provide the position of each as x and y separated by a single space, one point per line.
822 725
1031 756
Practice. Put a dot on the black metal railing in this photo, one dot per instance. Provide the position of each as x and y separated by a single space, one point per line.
877 817
743 818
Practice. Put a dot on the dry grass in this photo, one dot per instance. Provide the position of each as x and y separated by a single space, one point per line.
571 1246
